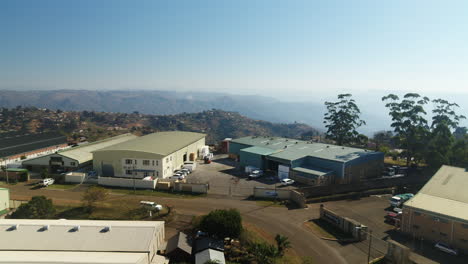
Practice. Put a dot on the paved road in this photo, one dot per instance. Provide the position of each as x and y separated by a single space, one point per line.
273 220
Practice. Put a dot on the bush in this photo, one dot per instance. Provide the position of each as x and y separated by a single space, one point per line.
222 223
38 208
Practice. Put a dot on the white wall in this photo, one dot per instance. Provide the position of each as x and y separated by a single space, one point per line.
4 199
176 160
138 164
127 183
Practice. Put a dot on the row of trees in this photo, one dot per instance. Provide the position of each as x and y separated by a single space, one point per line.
433 142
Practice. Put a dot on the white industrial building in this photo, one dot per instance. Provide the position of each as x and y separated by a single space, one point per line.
155 155
81 241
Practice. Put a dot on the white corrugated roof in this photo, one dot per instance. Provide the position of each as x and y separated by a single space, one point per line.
209 254
84 153
43 257
124 236
445 193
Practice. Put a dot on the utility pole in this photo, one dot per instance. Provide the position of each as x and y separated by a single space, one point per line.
370 243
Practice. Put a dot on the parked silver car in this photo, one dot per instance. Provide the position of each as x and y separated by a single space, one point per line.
446 248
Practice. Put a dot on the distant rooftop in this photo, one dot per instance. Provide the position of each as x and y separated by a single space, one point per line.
160 143
14 143
445 193
292 149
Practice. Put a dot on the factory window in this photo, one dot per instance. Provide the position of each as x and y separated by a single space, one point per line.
146 162
128 161
128 172
135 162
417 213
157 163
167 159
153 162
465 225
437 219
415 226
72 163
171 158
145 174
157 174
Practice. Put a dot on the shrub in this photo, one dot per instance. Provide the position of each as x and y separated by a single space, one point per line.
222 223
38 208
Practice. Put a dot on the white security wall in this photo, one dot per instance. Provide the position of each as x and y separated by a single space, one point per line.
127 183
75 177
4 199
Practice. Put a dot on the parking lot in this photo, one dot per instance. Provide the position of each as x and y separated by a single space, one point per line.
371 211
224 178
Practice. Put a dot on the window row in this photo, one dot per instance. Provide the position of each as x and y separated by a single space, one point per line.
145 162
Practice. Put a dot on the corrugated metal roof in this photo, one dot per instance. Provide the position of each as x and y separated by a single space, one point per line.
84 153
259 150
313 171
293 149
41 257
181 241
124 236
160 143
445 193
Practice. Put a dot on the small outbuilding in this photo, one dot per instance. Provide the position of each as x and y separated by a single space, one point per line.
179 248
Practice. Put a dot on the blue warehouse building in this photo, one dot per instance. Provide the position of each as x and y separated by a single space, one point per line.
308 162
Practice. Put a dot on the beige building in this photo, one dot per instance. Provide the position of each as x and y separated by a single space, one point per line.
439 211
81 241
73 158
156 155
4 200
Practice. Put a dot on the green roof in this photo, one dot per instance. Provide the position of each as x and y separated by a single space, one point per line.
16 170
312 171
293 149
160 143
258 150
445 194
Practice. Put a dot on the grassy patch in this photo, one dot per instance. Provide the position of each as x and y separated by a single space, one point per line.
326 230
156 193
61 186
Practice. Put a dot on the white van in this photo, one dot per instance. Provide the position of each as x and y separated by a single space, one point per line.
46 182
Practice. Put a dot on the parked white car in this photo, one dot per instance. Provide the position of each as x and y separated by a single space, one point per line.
46 182
256 174
151 205
446 248
287 181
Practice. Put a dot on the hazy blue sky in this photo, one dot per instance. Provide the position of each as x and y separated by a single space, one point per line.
285 47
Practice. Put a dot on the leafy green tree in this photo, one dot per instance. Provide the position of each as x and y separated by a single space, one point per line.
342 120
222 223
459 152
460 132
439 147
282 243
38 208
93 195
409 123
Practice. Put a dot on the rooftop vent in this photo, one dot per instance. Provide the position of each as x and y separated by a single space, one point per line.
342 147
13 227
297 142
44 228
287 140
106 229
75 229
285 146
328 146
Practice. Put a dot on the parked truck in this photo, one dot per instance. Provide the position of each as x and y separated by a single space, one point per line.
400 199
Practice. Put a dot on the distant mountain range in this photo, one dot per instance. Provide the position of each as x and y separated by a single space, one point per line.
167 103
171 103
